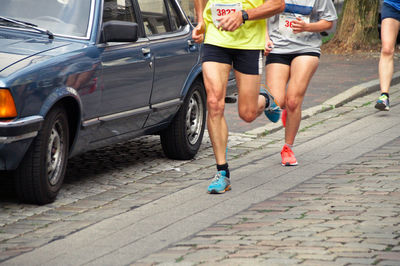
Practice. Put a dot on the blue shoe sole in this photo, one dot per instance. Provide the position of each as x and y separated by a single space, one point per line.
213 191
273 117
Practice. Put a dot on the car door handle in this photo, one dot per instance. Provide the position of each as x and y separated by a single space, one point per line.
191 42
145 51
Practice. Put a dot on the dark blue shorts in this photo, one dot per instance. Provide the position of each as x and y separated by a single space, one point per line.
387 11
245 61
286 59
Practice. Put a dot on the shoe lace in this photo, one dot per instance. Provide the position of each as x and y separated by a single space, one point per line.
216 177
286 151
273 108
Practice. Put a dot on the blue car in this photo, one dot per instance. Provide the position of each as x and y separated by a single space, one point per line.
76 75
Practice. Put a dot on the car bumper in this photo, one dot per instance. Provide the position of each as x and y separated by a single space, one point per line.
15 138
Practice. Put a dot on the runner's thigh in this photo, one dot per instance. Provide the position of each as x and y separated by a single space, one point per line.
248 66
276 78
301 71
389 31
248 89
216 79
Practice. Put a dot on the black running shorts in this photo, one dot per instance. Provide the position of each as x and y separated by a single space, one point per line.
286 59
388 11
244 61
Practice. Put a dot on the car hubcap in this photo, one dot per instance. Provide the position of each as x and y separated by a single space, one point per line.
194 118
54 154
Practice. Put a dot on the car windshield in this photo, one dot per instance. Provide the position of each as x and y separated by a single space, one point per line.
61 17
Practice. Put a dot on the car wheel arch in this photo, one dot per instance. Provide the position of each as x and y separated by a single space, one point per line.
196 74
69 99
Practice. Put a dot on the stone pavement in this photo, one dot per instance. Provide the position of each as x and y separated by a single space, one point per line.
335 74
346 215
127 204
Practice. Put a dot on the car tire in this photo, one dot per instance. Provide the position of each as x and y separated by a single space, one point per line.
182 139
40 175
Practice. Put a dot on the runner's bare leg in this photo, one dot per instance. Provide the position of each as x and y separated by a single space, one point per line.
215 80
301 71
389 31
250 103
277 76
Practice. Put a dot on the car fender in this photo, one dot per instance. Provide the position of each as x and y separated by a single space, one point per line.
58 96
195 73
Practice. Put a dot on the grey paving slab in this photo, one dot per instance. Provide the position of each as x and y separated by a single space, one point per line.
164 220
117 210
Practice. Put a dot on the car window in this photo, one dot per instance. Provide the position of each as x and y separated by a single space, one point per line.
61 17
175 21
159 17
121 10
188 8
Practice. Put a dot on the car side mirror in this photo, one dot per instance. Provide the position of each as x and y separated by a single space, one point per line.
120 31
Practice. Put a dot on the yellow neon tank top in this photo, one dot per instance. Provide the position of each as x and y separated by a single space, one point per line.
250 35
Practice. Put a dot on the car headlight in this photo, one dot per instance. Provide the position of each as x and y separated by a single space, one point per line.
7 105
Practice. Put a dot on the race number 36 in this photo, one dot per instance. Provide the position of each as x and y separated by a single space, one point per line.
289 23
286 23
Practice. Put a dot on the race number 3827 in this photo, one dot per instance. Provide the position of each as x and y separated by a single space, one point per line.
224 11
219 10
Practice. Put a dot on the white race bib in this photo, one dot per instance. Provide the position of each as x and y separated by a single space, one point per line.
219 10
285 24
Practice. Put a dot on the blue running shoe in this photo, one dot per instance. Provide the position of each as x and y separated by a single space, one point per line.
382 103
219 184
272 111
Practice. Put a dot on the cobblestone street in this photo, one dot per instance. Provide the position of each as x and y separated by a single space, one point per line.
128 204
348 215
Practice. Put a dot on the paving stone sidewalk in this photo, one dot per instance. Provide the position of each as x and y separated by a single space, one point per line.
115 180
348 215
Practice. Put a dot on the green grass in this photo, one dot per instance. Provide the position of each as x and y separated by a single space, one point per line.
179 259
302 216
310 126
326 39
389 248
349 171
265 210
366 104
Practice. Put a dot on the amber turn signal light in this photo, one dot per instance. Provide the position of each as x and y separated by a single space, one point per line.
7 105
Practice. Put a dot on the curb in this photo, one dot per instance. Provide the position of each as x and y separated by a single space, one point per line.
334 102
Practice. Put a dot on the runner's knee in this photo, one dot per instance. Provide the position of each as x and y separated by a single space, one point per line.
387 50
292 103
215 106
248 114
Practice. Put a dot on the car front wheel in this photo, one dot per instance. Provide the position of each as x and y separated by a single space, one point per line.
40 175
182 139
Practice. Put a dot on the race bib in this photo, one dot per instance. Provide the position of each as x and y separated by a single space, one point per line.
219 10
286 21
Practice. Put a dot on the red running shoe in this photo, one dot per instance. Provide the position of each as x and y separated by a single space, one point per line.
284 115
288 158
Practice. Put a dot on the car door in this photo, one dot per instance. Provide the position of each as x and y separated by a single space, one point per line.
174 53
127 76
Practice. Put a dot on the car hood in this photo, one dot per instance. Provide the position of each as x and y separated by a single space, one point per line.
17 49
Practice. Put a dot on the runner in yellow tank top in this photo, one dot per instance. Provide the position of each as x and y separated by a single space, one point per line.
235 37
250 35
